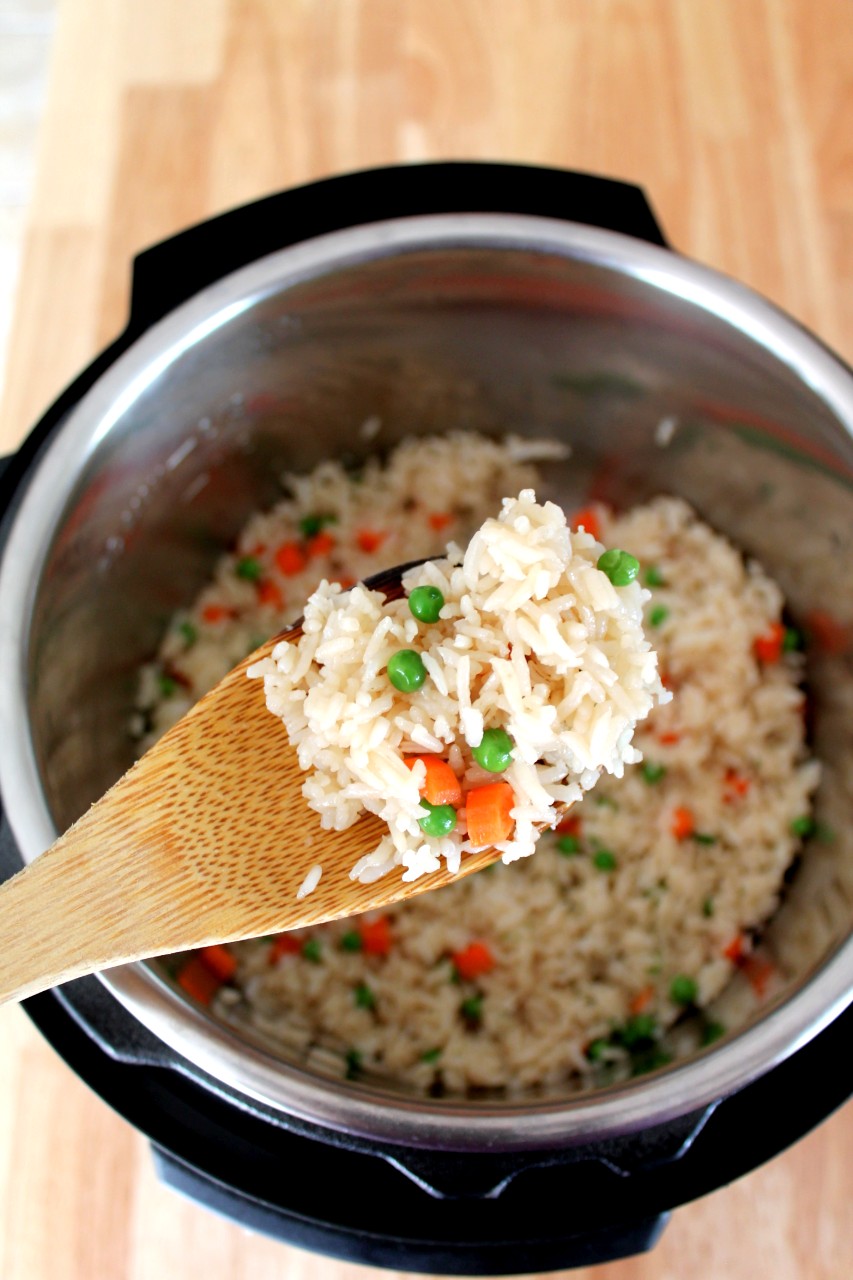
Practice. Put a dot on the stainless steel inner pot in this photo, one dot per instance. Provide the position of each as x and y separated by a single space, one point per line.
489 322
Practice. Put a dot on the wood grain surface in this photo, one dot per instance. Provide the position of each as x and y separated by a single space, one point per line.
737 117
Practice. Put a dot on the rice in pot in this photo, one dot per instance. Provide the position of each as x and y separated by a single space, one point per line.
569 967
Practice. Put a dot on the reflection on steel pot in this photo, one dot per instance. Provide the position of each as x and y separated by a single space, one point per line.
257 343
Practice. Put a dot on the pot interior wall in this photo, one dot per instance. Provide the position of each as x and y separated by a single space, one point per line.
489 340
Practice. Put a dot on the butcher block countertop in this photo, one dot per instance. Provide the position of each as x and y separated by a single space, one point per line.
737 118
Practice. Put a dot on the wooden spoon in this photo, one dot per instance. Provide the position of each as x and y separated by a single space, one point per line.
206 839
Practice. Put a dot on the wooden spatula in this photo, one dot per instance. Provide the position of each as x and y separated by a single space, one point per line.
206 839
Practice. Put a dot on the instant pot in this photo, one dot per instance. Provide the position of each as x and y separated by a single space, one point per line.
496 298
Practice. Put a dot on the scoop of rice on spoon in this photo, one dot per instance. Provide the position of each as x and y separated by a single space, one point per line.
475 707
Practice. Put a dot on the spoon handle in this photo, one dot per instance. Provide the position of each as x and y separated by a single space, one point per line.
73 910
169 858
206 839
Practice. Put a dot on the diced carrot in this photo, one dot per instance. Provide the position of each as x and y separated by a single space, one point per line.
321 544
284 945
439 520
683 823
198 981
669 738
441 785
735 785
269 593
758 973
219 961
826 632
488 813
370 540
570 825
345 583
735 950
586 517
376 936
290 558
216 613
768 647
473 961
666 680
641 1001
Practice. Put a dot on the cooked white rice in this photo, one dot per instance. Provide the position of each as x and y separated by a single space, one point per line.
312 879
588 938
532 638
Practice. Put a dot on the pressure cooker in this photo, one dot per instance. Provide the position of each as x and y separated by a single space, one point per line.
485 297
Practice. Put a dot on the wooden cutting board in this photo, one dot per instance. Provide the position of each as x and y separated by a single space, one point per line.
737 117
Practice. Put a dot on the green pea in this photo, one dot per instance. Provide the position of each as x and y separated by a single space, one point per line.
803 826
440 819
495 751
713 1031
638 1031
188 632
166 685
792 640
351 940
312 950
708 908
431 1055
406 670
426 603
249 568
658 615
568 845
683 989
353 1059
704 837
596 1049
364 997
310 526
604 860
472 1009
620 566
653 772
654 576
